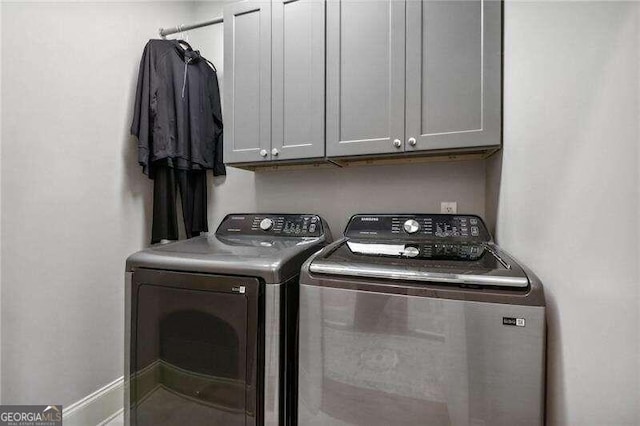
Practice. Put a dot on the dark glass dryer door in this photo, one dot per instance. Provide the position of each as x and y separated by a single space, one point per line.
195 356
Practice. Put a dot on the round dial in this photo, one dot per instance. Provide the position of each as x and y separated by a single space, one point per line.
411 226
411 251
266 224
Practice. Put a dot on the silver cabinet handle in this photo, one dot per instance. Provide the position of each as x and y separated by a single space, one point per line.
263 153
275 152
412 141
397 143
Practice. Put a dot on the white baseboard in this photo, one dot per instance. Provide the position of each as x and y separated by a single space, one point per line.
111 417
97 408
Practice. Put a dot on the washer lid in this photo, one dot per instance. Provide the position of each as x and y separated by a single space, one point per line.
482 265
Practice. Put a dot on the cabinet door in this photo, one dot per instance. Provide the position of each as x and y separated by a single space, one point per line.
247 82
454 54
365 76
297 79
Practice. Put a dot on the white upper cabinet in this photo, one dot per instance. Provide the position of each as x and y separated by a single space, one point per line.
297 106
454 54
401 76
247 82
365 77
274 80
413 75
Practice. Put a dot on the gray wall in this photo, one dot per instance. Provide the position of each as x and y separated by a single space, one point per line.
75 200
568 198
338 194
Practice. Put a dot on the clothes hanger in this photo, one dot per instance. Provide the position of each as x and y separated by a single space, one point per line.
185 35
183 38
182 42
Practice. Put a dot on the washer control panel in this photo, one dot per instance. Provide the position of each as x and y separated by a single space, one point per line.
452 251
453 227
284 225
443 250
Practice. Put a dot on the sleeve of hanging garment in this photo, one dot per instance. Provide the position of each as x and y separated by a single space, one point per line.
141 125
214 96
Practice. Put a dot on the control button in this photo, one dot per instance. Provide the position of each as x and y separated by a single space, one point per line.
411 226
312 228
314 219
411 251
266 224
475 231
473 221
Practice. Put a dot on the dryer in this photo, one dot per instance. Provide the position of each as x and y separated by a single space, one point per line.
420 319
211 320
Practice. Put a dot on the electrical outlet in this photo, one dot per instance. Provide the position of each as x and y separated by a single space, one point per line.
449 207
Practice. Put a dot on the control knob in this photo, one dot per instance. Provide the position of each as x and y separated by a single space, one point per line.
411 251
266 224
411 226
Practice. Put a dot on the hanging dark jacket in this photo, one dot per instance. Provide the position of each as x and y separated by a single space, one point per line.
177 115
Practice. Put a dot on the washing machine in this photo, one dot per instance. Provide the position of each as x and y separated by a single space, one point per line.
211 322
420 319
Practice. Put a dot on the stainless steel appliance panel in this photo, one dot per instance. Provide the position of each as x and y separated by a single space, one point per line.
373 358
273 391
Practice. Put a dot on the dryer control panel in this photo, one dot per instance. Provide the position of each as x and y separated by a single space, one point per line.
283 225
447 227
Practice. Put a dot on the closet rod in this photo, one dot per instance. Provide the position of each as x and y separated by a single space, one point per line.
180 28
